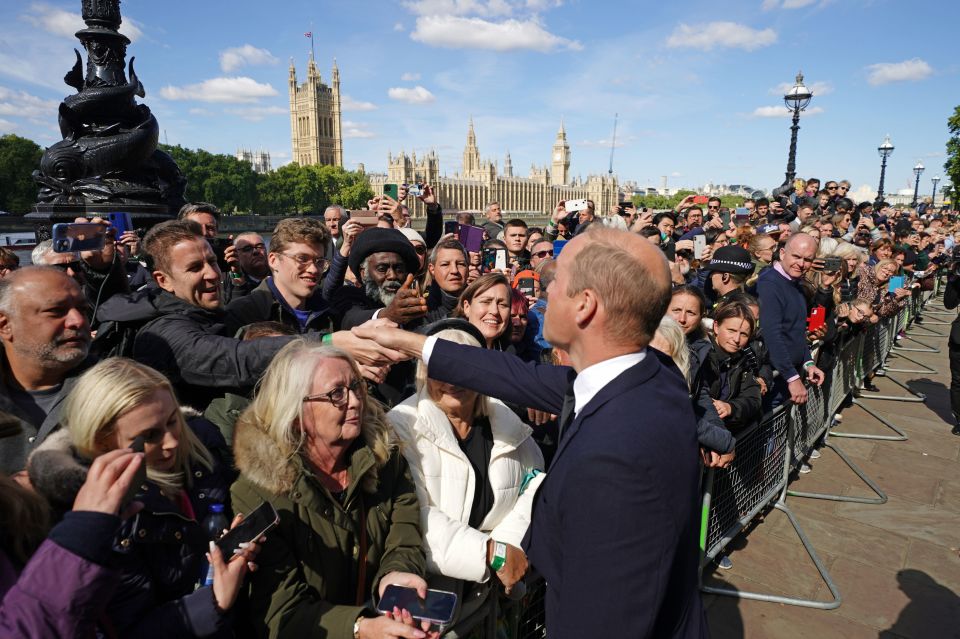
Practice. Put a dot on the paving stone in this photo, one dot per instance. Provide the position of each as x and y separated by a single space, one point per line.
940 562
906 517
948 495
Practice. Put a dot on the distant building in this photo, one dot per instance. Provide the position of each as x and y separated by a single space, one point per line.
731 189
259 160
480 184
315 117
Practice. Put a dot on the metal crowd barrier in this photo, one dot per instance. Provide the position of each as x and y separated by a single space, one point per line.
768 452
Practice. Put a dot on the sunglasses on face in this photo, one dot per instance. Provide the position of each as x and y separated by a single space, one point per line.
74 266
420 249
250 248
542 254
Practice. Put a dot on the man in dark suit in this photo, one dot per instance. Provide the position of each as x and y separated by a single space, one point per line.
614 527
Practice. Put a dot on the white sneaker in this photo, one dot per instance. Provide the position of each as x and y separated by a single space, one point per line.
805 468
814 454
838 417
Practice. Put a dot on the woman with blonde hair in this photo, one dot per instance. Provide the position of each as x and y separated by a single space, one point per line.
671 341
317 447
476 467
853 258
114 405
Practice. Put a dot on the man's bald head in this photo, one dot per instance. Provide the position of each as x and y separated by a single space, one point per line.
797 255
801 240
629 275
29 281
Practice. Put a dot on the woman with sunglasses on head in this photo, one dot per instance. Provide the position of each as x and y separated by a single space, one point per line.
316 447
160 551
291 294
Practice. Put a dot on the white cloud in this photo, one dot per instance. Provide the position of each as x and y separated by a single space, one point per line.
25 105
6 126
410 77
599 144
233 90
912 70
781 112
258 113
64 23
720 35
459 7
454 32
398 26
818 89
356 130
199 111
248 55
349 104
787 4
416 95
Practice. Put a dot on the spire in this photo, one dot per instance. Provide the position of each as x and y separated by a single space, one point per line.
562 133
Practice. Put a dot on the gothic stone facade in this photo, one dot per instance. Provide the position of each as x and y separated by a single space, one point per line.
315 117
480 184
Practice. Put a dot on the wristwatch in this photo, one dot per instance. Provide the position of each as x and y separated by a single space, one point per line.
499 555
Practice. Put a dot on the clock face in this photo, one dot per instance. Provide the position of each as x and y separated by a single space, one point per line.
556 156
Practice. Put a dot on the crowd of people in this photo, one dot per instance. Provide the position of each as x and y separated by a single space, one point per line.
419 412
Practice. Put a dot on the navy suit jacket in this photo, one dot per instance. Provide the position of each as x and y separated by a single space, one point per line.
614 528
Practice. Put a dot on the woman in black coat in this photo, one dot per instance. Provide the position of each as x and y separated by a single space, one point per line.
727 373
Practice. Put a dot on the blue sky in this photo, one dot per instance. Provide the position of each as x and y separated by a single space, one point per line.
697 84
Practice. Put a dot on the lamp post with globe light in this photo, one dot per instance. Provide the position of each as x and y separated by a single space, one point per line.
885 150
917 170
936 180
797 99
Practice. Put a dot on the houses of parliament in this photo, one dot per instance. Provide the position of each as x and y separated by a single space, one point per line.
317 139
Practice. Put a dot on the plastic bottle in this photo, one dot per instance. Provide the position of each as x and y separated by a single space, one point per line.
213 525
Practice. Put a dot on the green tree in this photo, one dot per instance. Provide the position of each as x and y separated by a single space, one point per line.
221 179
18 158
952 166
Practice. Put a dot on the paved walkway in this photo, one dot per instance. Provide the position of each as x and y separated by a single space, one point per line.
897 565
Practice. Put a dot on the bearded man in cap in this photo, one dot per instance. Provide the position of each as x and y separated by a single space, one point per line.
385 263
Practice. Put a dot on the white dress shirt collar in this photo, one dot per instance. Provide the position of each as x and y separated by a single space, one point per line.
592 379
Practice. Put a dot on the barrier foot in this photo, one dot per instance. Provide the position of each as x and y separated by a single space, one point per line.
790 601
899 437
881 497
927 348
925 369
926 331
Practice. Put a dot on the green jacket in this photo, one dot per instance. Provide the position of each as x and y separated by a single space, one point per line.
306 581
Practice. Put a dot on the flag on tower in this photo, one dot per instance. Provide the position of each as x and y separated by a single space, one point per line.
308 34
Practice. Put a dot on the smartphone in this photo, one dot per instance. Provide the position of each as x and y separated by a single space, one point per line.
895 282
78 236
816 319
494 259
415 189
831 264
527 286
254 526
365 217
725 216
451 226
558 246
742 216
140 478
700 199
699 243
437 608
219 246
121 223
471 237
392 190
572 206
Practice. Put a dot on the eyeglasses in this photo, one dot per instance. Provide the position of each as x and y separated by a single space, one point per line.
339 396
74 266
832 188
543 254
304 261
713 207
250 248
420 249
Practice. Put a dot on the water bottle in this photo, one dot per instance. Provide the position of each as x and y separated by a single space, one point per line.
213 525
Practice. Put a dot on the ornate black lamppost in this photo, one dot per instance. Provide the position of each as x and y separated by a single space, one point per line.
885 150
917 170
797 99
936 180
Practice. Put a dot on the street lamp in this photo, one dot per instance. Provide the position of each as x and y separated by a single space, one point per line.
917 170
885 150
797 99
935 179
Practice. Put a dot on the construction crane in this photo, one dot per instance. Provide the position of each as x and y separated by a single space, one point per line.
613 143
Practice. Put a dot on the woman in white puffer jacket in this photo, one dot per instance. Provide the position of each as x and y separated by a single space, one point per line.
476 468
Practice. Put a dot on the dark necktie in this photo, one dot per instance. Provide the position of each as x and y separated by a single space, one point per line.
566 415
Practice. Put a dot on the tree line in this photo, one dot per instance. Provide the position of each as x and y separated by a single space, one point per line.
221 179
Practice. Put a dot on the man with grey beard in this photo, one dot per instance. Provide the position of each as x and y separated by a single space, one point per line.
46 338
385 263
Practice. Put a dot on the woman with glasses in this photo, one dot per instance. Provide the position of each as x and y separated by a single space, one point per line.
291 293
316 447
162 551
